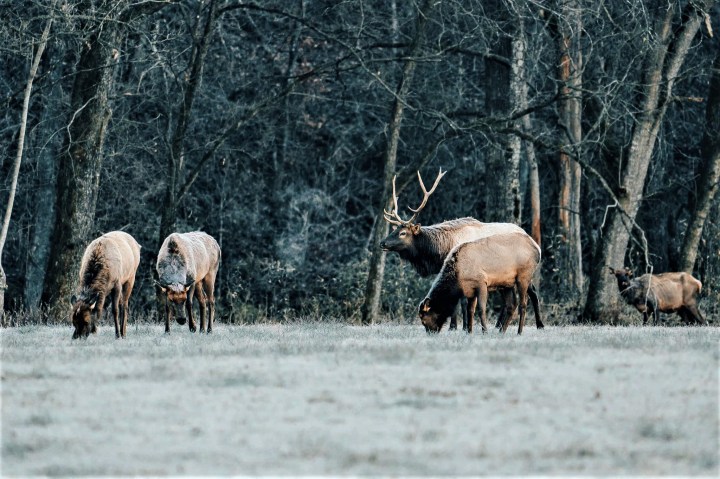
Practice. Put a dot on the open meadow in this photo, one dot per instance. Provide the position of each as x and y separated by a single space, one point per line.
316 399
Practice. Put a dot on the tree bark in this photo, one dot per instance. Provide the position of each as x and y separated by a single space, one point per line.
709 174
502 199
371 303
82 154
18 157
176 155
660 71
570 118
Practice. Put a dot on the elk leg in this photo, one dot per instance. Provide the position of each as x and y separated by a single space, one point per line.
209 284
189 309
127 291
482 297
167 315
200 295
116 294
99 308
522 306
695 313
470 313
532 293
453 317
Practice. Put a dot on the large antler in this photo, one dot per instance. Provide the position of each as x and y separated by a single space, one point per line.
393 217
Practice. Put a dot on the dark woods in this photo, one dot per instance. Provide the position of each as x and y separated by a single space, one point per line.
269 125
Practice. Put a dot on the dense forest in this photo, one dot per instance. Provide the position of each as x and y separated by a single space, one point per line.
277 127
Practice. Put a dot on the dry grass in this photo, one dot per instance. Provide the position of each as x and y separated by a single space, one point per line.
385 400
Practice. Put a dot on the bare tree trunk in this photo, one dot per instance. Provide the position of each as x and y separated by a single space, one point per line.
80 162
570 117
502 199
520 88
82 154
176 158
371 303
660 71
709 174
18 158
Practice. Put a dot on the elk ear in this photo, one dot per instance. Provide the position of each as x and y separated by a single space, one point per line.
415 229
92 306
73 299
163 289
187 287
425 305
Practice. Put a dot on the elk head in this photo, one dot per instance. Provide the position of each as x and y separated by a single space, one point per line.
623 277
404 231
176 295
81 316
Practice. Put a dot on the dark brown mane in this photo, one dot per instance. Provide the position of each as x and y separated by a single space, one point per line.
95 275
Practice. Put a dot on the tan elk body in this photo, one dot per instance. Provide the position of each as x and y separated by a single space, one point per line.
472 269
661 293
187 265
108 268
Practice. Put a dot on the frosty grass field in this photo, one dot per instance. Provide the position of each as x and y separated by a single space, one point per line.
314 398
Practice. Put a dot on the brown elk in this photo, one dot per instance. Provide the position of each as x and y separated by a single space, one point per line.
656 293
187 265
502 261
108 268
426 247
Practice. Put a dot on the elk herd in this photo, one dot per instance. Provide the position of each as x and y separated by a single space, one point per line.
469 258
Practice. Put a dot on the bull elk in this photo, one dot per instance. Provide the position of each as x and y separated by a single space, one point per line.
108 268
426 247
661 293
187 265
502 261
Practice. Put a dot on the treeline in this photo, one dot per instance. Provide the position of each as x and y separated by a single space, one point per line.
277 128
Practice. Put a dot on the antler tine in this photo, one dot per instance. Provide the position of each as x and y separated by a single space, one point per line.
393 217
426 193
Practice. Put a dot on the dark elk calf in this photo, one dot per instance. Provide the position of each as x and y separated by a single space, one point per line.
426 247
187 265
472 269
656 293
108 268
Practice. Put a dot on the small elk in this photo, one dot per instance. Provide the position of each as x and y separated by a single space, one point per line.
502 261
656 293
426 247
108 268
187 265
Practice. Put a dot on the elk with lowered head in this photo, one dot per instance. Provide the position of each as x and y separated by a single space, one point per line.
661 293
502 261
107 269
187 266
426 247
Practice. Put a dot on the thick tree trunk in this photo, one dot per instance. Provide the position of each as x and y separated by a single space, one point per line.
502 199
660 71
80 162
371 303
709 174
570 116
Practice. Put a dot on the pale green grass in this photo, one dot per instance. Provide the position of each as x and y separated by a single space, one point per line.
385 400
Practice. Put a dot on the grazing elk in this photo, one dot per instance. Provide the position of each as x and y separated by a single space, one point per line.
108 268
187 265
666 293
502 261
426 247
